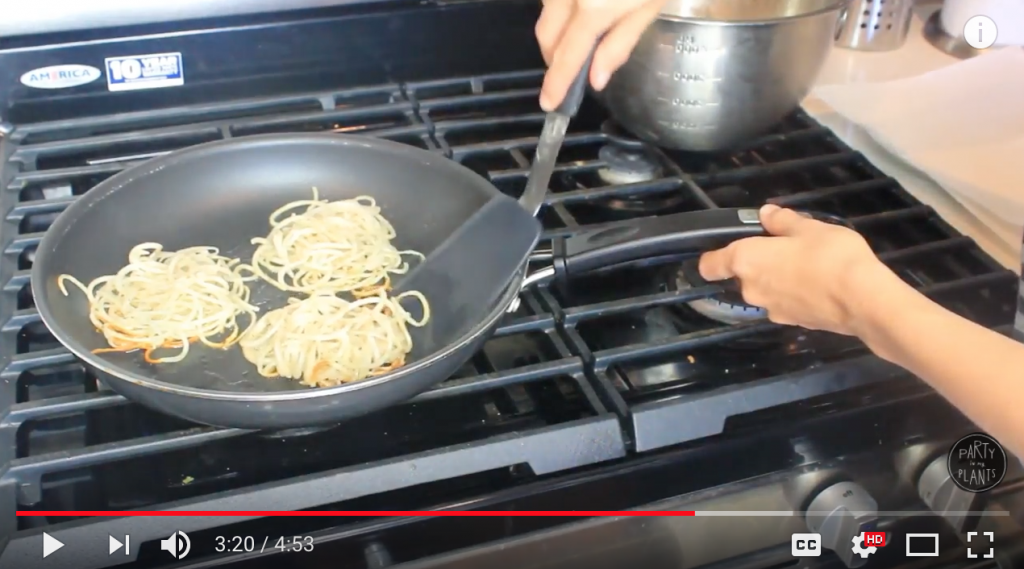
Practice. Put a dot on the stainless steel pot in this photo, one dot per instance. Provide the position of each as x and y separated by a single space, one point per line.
709 74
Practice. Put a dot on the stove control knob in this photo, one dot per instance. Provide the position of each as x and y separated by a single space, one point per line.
839 513
937 489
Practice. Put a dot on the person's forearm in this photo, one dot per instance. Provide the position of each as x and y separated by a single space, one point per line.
978 370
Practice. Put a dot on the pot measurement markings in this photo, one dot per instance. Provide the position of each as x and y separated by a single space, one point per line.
693 78
681 77
679 125
688 45
688 103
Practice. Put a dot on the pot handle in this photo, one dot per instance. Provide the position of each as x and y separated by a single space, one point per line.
632 240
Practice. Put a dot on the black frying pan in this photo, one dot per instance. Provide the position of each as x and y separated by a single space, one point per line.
220 194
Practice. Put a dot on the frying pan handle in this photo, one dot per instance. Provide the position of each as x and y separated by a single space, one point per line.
633 240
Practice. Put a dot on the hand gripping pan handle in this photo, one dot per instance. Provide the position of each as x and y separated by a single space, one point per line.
633 240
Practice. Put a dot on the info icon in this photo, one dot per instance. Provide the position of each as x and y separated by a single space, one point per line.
980 32
977 463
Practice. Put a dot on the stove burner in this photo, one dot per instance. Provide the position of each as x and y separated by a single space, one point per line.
630 161
727 307
627 165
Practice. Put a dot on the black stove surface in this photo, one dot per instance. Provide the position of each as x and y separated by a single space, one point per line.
640 360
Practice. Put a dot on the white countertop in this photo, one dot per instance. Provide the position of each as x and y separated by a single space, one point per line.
917 56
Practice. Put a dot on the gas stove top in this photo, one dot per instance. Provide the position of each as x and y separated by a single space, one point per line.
630 387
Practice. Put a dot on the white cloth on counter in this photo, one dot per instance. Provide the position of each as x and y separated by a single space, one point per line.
962 125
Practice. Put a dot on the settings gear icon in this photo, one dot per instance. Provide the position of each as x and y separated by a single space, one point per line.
859 549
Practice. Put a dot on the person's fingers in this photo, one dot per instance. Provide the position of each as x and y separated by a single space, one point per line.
619 42
741 259
717 265
780 221
590 19
551 25
578 40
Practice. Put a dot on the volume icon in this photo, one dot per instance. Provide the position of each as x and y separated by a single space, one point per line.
178 545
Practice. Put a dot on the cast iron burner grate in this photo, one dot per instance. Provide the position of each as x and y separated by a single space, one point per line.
613 364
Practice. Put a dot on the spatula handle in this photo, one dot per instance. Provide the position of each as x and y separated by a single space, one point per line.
574 96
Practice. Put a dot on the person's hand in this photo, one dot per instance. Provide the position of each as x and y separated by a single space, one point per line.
809 273
568 29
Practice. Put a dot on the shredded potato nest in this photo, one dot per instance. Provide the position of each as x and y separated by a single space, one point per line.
325 340
168 300
340 246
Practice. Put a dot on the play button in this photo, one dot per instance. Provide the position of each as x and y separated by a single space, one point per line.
50 545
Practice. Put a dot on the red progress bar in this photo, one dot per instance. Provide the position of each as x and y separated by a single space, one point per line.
200 513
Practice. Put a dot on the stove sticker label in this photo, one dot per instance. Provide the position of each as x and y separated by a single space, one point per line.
154 71
60 76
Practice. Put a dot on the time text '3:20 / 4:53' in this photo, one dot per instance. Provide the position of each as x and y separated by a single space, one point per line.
248 543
